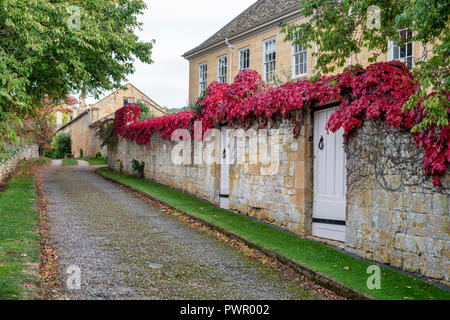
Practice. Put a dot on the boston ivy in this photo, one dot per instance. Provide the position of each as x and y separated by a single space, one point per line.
379 91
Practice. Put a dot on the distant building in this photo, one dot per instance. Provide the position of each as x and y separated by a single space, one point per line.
82 127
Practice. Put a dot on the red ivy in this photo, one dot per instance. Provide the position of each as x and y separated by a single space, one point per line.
379 91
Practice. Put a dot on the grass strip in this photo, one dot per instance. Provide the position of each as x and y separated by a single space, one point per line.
69 162
19 238
318 257
96 162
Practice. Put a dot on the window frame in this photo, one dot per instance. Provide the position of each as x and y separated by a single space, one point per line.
128 98
265 63
240 51
221 76
293 55
392 45
200 77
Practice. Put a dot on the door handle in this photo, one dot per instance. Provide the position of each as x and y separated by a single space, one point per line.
321 143
224 154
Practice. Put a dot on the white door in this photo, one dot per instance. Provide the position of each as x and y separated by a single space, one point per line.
329 180
224 193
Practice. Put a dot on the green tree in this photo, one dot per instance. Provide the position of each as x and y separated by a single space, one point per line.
341 28
57 47
63 145
146 113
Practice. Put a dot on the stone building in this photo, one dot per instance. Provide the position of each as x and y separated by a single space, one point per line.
253 41
82 127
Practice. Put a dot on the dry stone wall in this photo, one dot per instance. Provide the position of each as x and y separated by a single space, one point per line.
24 152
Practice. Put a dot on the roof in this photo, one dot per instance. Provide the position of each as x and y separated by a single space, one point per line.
148 100
129 84
80 115
259 13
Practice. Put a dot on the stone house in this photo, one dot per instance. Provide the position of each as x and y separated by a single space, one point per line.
82 127
253 41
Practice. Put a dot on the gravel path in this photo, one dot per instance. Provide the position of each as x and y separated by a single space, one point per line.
129 249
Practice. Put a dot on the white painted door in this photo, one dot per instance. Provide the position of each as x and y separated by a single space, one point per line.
329 180
224 193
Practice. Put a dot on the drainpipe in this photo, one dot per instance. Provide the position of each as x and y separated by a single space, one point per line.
230 49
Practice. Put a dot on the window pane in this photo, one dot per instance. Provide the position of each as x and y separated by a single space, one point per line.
396 52
269 60
409 63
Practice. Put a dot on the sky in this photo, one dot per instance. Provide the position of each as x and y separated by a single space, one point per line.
177 26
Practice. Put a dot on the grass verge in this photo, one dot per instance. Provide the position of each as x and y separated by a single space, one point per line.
319 258
96 162
19 237
69 162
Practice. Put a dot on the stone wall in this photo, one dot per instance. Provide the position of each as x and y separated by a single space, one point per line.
199 180
281 197
394 214
29 151
7 168
25 152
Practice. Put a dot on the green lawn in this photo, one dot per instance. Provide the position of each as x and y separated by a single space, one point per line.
69 162
96 162
19 238
314 255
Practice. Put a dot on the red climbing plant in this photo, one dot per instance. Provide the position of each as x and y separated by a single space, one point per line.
379 91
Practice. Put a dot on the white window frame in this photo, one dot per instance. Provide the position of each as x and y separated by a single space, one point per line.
392 45
129 100
294 54
241 51
266 63
202 81
221 75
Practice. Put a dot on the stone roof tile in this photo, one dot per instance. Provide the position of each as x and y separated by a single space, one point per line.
260 12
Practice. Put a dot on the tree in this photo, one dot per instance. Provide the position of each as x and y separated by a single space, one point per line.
39 125
63 145
49 48
146 113
341 28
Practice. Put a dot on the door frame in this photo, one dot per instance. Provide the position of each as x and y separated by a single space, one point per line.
224 180
331 224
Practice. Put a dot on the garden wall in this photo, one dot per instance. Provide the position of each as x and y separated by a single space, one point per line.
394 214
281 197
199 180
24 152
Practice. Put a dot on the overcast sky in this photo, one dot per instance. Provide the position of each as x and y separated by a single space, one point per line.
177 26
